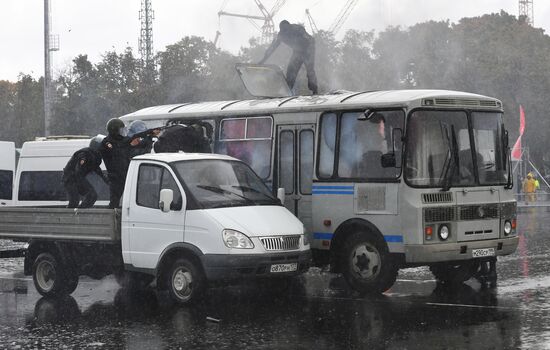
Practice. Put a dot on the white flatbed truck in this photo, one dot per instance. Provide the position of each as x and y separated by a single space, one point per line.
185 220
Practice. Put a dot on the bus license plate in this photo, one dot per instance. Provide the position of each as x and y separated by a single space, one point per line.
480 253
276 268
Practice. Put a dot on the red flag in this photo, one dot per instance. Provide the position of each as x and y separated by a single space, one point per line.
521 121
516 150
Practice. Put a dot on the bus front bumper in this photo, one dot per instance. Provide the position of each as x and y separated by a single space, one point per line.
430 253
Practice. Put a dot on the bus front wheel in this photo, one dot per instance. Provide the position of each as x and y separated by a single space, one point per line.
368 266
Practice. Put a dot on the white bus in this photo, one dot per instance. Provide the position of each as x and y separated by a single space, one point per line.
382 180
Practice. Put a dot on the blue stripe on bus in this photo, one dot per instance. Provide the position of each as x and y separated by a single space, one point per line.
393 239
328 236
320 187
322 235
331 192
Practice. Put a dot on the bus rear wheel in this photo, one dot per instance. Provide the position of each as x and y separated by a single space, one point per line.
454 272
367 265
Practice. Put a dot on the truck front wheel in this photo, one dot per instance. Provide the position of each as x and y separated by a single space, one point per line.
185 281
48 275
367 264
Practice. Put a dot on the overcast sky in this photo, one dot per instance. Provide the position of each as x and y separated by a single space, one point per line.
93 27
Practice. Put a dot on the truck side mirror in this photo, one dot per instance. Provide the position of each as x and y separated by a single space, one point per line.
165 200
388 160
281 195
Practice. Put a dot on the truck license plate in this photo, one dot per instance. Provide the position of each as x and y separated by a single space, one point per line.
480 253
284 267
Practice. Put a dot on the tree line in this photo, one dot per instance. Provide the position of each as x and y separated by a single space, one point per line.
495 54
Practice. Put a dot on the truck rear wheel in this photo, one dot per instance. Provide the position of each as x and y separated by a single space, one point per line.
454 272
185 280
367 264
48 275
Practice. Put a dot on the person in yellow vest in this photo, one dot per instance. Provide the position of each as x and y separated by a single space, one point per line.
529 188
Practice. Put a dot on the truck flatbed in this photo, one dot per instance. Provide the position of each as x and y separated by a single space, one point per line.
66 224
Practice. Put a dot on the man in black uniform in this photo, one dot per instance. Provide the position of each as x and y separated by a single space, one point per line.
195 138
83 162
303 52
116 150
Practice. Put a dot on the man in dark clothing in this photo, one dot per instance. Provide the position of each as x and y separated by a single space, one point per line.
116 150
193 139
83 162
303 52
145 144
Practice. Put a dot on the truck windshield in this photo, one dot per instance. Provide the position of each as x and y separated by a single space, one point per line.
440 152
220 183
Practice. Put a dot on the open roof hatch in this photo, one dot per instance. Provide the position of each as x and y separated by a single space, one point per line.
263 80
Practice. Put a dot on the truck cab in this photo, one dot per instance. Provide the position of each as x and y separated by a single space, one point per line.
191 218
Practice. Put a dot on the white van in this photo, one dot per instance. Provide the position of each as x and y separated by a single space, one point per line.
40 169
7 169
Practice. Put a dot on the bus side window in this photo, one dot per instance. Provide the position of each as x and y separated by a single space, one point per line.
250 140
363 142
327 145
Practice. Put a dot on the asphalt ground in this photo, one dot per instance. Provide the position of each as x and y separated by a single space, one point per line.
317 312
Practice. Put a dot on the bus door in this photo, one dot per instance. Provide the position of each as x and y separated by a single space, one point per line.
295 167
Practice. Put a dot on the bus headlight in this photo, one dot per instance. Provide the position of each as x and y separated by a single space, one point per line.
236 239
507 228
443 232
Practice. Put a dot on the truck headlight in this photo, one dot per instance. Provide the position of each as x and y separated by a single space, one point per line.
306 237
236 239
443 232
507 228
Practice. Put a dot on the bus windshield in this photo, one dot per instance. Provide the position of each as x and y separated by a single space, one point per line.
441 151
219 183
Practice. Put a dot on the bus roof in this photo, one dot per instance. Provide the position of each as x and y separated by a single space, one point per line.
340 100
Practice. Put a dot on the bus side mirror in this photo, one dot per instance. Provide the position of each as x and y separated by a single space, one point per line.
165 200
388 160
281 195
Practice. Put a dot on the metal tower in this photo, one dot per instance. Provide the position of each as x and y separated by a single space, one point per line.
526 9
51 43
146 16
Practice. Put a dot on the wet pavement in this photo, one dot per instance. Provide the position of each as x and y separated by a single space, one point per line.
317 312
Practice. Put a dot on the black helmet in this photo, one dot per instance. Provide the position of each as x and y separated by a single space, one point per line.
114 126
95 142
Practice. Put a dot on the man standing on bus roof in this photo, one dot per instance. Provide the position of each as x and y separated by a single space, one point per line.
116 150
303 53
82 163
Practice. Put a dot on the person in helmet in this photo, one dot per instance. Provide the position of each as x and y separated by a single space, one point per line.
303 53
137 128
82 163
116 150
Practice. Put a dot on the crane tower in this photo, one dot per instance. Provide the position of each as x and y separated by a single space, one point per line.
526 9
146 16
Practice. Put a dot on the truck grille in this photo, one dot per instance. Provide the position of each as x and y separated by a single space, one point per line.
281 243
